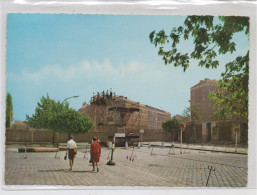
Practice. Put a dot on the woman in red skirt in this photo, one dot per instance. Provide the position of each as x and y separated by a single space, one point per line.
95 152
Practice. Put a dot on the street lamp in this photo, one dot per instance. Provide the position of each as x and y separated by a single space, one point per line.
111 162
182 127
58 113
69 98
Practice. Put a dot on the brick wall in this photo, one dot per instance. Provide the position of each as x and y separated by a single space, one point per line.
45 136
199 96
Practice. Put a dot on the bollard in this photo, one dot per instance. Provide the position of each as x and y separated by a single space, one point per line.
126 145
172 146
131 158
162 144
110 145
25 152
149 146
56 154
111 162
138 145
152 150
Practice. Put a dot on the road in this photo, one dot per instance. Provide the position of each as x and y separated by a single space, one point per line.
147 166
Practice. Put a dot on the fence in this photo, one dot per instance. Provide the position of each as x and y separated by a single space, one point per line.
46 136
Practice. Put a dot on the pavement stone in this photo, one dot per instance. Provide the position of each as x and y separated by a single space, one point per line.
148 167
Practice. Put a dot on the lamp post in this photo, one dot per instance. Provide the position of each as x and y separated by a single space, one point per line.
68 98
57 140
182 128
111 162
62 104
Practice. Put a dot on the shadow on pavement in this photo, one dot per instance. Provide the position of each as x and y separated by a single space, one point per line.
54 170
63 170
80 171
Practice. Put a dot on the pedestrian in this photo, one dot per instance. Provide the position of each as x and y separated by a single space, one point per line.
94 97
95 152
111 93
72 150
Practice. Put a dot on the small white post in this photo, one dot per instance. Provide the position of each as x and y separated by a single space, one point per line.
138 145
110 145
236 143
181 141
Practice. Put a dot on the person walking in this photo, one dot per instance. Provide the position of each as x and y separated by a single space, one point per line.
95 152
72 151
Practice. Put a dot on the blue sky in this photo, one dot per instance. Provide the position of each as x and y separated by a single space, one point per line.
66 55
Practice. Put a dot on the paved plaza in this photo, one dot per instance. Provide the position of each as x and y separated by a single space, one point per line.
147 166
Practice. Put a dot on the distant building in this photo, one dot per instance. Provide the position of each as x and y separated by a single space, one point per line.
203 127
181 118
20 125
201 107
119 114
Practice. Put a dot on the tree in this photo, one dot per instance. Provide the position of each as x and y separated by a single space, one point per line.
195 112
186 113
9 111
58 117
221 114
210 38
171 126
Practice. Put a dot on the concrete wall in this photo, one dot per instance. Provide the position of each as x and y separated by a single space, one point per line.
221 132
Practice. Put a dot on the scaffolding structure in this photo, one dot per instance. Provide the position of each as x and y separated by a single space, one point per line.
117 113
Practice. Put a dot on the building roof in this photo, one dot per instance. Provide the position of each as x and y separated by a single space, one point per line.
20 125
177 116
131 104
205 81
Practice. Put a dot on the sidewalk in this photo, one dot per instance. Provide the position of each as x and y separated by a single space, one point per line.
204 147
208 147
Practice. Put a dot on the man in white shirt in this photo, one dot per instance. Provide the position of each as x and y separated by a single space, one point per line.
72 150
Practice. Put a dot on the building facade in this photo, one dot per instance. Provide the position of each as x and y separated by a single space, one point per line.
121 115
201 107
203 127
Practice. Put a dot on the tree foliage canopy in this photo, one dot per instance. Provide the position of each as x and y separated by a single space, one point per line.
171 125
9 110
186 113
58 117
210 39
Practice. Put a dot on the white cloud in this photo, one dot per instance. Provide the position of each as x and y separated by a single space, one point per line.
93 70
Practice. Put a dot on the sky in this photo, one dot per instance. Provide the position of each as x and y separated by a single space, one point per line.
65 55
